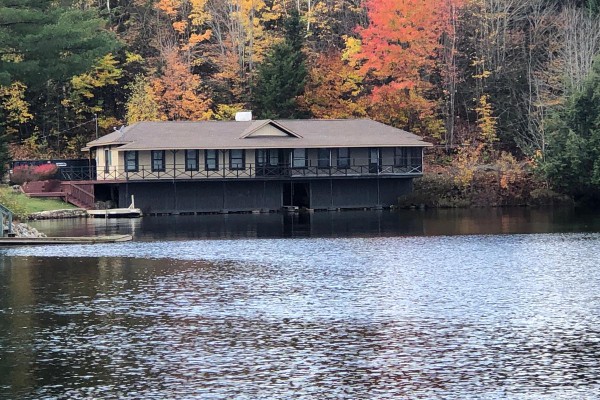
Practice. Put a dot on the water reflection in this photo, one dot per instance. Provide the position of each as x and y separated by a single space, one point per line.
335 224
466 317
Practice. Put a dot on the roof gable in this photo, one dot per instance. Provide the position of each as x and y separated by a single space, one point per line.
268 128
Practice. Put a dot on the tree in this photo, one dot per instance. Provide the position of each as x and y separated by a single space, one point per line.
142 104
333 89
398 52
42 41
572 159
4 155
177 91
282 75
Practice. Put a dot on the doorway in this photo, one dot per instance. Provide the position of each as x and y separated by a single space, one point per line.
296 194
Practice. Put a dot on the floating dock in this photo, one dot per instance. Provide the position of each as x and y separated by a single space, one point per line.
24 241
116 213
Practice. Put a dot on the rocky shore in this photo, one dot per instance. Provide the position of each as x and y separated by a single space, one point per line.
25 231
59 214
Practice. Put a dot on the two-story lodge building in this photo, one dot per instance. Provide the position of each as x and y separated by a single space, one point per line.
212 166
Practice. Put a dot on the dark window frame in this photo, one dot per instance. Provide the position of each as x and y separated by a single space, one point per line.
107 160
265 157
216 158
196 160
294 158
136 161
347 159
162 160
408 157
324 162
238 165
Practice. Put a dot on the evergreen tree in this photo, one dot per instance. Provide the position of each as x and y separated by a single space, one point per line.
41 41
4 154
282 75
572 161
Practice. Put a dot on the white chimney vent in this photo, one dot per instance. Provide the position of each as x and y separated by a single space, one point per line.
242 116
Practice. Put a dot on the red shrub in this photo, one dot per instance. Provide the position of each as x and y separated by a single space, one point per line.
45 171
31 173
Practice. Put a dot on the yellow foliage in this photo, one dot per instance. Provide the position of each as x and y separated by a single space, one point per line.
105 72
226 112
486 121
133 58
12 101
353 46
142 104
467 159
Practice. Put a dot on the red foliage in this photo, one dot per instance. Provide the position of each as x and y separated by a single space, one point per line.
45 171
31 173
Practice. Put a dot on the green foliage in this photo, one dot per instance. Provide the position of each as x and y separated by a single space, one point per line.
4 156
572 160
41 41
282 75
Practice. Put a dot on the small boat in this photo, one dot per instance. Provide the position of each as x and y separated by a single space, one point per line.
129 212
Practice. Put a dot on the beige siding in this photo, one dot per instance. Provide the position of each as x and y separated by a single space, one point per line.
175 165
268 131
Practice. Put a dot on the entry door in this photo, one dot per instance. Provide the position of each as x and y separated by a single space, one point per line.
374 160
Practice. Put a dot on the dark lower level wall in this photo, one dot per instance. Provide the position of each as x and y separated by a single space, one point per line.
358 193
165 197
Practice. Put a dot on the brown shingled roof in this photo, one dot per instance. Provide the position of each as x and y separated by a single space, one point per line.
232 135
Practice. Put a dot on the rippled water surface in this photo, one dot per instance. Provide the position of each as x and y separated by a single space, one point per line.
285 312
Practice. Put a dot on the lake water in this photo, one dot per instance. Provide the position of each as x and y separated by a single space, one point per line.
471 304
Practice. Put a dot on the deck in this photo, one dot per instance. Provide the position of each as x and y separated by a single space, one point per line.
21 241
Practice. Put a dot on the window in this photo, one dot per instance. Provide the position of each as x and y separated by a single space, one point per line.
343 157
158 160
267 157
191 160
211 160
107 160
299 158
261 158
131 161
273 157
236 159
408 157
324 160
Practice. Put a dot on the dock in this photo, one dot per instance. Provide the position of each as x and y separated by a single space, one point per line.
25 241
116 213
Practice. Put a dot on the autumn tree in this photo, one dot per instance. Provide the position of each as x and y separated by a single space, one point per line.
334 88
142 104
178 91
282 75
398 48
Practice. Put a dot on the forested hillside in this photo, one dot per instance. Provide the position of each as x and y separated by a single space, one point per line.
486 80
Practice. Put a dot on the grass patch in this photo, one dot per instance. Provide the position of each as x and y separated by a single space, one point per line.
22 205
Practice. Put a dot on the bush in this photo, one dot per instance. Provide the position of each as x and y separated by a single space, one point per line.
45 171
32 173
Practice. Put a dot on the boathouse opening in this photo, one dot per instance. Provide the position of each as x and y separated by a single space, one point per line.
296 194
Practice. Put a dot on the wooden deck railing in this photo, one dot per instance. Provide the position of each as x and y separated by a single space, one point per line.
250 170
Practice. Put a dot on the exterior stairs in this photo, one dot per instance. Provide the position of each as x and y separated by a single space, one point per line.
78 193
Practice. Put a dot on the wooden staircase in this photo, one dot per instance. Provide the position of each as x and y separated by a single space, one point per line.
78 193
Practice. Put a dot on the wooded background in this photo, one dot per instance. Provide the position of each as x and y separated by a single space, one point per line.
483 79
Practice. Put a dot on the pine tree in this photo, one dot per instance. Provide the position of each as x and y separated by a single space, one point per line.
572 159
282 75
42 41
4 154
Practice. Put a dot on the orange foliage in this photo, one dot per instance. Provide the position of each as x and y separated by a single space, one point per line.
177 91
402 38
333 88
398 49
